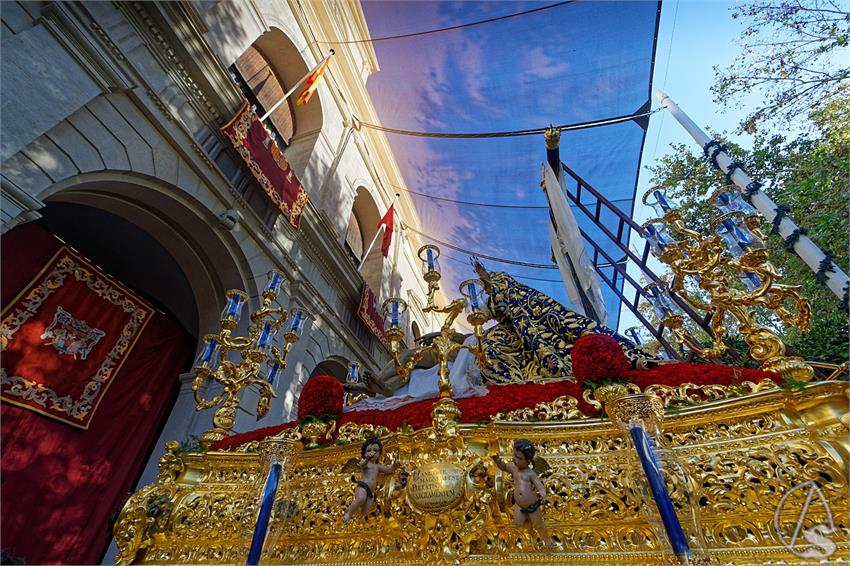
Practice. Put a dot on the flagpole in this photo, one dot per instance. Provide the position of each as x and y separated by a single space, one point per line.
375 239
395 257
369 249
808 251
293 89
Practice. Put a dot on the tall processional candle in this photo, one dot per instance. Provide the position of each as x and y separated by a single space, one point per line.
648 454
236 300
262 525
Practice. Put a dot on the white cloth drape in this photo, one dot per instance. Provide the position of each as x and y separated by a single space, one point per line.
568 242
464 375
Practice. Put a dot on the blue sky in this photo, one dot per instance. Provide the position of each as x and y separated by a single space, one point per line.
695 36
583 61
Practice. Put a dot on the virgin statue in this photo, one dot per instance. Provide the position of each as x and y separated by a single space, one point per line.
531 341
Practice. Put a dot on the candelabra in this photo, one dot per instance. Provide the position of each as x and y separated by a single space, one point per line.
441 346
734 250
256 349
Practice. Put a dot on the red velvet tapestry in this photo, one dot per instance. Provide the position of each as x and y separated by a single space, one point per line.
66 337
266 162
63 477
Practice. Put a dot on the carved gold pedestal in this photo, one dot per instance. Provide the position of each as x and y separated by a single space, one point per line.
448 504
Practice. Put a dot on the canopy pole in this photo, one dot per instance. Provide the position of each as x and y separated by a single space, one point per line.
808 251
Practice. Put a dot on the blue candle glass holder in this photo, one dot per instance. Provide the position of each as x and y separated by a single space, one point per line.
657 236
265 339
296 322
658 295
273 373
728 199
274 283
353 374
235 302
430 255
210 353
394 309
656 197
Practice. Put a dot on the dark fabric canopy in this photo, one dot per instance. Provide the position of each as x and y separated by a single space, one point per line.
571 63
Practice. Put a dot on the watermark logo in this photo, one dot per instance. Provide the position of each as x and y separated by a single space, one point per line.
816 544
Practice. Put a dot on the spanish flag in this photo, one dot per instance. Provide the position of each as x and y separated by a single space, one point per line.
312 81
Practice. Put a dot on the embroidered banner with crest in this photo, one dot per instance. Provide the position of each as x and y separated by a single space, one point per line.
266 162
65 338
372 315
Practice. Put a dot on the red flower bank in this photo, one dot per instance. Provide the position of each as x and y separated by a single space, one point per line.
595 358
321 395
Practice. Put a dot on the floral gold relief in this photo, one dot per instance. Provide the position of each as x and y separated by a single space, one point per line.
448 503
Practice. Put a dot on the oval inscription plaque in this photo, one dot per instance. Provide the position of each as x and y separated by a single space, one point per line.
436 487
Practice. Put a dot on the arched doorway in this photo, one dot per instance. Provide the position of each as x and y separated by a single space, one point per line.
141 240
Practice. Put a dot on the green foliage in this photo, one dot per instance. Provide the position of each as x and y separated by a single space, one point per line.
794 53
809 175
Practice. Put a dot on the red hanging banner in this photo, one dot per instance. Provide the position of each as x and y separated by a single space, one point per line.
266 162
65 338
372 316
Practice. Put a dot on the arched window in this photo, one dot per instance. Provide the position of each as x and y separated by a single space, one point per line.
414 328
364 221
354 238
263 88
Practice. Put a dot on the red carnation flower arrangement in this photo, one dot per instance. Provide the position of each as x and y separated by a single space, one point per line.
321 395
597 358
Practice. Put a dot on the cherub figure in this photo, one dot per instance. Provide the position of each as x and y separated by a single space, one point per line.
527 504
364 493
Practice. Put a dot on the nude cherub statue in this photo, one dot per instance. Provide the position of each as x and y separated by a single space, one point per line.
364 493
529 492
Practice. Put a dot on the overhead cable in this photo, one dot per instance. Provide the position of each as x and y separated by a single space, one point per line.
449 28
358 124
484 256
487 204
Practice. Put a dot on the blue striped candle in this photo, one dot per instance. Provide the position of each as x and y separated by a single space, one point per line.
262 526
652 469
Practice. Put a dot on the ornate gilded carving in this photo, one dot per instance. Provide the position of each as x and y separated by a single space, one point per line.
706 261
561 409
743 454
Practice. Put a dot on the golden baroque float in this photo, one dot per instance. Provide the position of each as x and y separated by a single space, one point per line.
744 456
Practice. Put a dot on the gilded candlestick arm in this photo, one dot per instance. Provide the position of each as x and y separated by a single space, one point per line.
262 356
732 270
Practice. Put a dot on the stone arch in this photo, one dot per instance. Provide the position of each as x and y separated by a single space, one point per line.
366 215
364 210
210 257
336 366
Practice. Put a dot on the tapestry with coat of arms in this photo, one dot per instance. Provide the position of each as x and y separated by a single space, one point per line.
65 338
267 163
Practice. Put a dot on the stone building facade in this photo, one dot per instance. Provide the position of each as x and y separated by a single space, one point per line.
110 139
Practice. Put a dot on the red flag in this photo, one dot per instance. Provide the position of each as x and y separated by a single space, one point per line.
387 221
